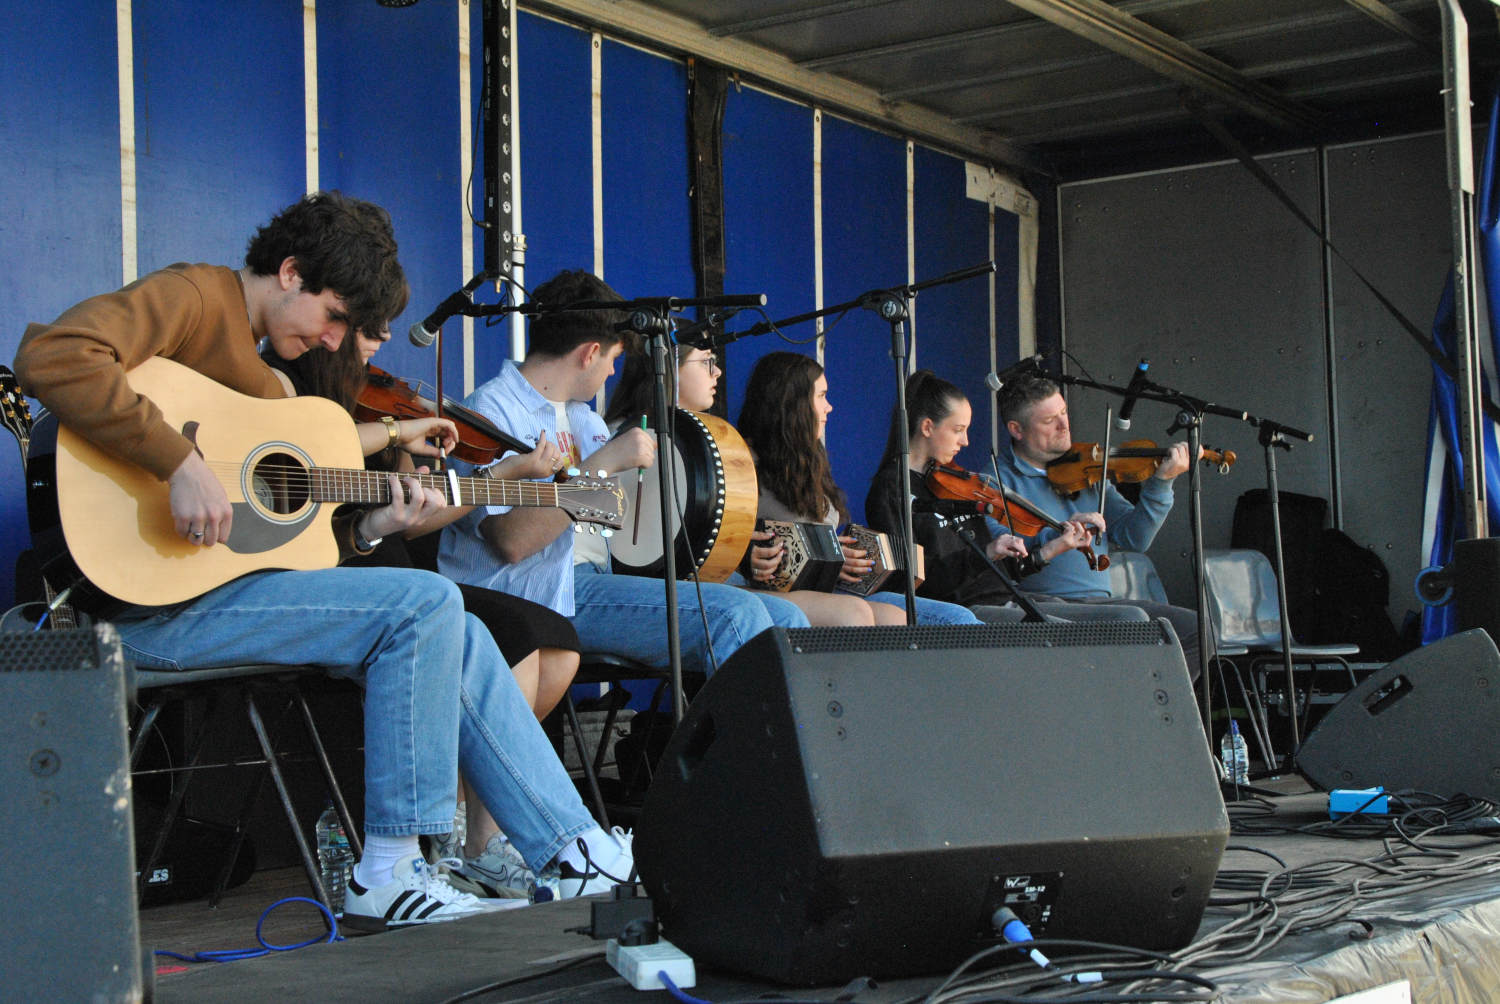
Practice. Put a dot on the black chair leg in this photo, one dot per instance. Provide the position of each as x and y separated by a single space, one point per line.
309 862
600 813
329 780
237 837
644 764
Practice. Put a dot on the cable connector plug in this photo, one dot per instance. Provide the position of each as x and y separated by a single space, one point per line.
644 966
1011 928
1480 824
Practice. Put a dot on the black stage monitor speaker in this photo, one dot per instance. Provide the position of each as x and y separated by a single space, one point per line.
1426 721
1476 570
847 802
72 932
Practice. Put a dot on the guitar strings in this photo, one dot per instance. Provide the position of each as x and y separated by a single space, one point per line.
373 486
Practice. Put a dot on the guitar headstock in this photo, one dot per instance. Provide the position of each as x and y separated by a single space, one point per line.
15 411
595 501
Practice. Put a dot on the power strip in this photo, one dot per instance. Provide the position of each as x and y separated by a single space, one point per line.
641 964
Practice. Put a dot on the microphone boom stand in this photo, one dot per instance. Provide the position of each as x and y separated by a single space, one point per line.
1190 416
656 345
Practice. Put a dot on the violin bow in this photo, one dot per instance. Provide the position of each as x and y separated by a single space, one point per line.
1109 419
1000 486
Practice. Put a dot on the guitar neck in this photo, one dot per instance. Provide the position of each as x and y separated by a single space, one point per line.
331 484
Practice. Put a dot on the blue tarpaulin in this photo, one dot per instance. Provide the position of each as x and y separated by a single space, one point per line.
1443 515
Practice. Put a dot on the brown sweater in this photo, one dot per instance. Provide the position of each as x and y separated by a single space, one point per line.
193 314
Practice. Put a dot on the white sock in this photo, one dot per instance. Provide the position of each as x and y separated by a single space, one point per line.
604 853
381 854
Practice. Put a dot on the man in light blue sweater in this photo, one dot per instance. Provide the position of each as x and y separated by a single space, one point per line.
1036 416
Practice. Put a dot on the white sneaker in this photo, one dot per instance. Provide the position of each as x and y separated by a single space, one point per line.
563 881
498 873
418 894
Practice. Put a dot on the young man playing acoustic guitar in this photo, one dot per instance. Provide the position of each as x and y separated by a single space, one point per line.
437 692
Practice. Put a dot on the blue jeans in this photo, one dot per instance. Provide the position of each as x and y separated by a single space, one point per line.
627 615
929 611
438 695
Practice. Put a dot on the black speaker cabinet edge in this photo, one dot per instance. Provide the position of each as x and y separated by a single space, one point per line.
73 932
1427 721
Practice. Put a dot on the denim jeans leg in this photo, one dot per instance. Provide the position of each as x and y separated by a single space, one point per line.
784 613
627 615
397 632
509 760
929 611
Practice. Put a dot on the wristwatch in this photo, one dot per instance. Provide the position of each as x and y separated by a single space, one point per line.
361 544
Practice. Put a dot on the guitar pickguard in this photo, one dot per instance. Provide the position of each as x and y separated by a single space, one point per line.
252 533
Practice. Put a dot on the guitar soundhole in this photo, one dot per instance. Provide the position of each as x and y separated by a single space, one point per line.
279 484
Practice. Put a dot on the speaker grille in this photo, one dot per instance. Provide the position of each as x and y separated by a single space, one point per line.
25 651
931 636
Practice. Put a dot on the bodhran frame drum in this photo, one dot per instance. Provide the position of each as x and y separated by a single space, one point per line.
717 495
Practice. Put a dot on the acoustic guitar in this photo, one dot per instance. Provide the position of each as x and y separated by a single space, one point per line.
285 464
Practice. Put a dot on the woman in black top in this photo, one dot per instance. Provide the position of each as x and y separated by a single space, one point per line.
938 417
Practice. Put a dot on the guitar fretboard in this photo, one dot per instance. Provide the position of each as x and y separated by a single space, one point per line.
331 484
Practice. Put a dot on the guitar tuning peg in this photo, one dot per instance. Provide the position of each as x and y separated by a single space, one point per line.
572 472
606 532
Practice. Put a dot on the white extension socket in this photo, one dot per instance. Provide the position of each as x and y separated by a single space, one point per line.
641 964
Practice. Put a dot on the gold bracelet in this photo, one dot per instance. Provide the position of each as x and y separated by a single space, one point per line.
393 428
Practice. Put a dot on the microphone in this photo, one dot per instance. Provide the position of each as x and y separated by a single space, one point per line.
1132 392
425 332
700 335
994 381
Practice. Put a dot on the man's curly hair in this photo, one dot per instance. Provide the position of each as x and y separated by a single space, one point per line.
339 243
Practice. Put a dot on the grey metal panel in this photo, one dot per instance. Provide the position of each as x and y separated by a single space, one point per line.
1203 273
1389 213
1066 83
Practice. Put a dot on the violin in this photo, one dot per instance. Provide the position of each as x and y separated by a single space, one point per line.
1129 463
479 441
1021 516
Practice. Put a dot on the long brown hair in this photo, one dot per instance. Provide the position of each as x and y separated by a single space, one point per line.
778 423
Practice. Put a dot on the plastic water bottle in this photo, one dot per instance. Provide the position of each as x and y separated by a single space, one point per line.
334 857
1235 754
